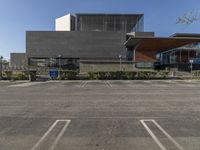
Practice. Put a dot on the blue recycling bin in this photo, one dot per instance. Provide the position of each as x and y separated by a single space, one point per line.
53 73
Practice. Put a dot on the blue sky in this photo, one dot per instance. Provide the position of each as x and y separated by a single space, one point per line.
18 16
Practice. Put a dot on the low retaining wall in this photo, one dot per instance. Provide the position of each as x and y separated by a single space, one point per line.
106 66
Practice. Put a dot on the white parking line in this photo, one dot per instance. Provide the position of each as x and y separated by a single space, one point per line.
83 84
163 131
49 130
26 84
167 135
188 81
52 88
169 81
108 84
152 135
59 136
146 81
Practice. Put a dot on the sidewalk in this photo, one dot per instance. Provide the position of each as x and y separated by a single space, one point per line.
7 81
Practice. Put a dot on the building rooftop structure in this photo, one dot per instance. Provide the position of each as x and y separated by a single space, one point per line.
98 39
110 22
101 22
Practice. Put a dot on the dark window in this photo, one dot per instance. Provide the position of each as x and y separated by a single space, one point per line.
129 54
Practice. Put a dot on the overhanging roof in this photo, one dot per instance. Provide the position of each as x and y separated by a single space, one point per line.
110 14
159 43
185 35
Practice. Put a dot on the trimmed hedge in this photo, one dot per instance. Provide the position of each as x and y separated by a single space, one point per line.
146 74
8 75
107 75
120 75
196 73
128 75
163 74
20 76
11 75
68 74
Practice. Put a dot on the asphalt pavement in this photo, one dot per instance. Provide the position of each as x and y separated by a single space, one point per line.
100 115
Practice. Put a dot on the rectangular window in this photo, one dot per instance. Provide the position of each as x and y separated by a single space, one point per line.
129 54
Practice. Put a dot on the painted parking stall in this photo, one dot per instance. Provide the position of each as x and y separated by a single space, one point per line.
105 114
38 145
158 142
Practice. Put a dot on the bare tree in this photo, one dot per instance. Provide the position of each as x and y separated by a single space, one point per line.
188 18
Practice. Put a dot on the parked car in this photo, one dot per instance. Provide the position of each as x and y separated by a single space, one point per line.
196 61
158 66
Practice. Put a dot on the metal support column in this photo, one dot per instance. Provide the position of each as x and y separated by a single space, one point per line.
134 57
134 52
1 67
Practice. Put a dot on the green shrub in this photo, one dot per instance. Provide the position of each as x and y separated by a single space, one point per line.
8 75
90 75
117 75
3 75
68 74
26 73
163 74
112 75
102 75
32 74
93 75
146 74
19 76
196 73
129 75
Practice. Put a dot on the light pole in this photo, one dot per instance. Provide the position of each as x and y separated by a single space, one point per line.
191 67
59 61
59 56
1 67
120 62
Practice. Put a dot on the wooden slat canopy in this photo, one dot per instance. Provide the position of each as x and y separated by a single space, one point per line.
159 43
146 47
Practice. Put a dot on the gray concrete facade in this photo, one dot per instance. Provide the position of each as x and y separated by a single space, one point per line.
18 60
82 45
96 66
96 37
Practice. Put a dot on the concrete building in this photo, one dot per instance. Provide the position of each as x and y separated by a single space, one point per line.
65 23
18 60
84 40
98 42
164 50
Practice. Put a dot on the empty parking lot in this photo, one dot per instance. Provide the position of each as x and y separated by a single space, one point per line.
100 115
